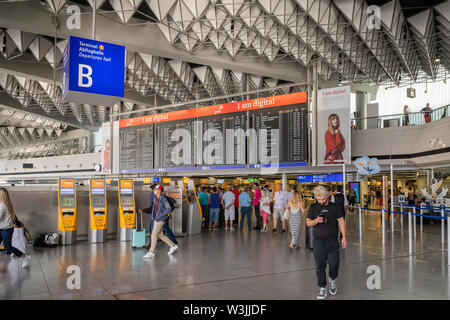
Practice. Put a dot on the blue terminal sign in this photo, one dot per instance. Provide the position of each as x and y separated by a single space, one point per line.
93 72
337 177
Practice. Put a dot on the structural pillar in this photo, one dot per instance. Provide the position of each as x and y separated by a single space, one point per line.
284 181
361 109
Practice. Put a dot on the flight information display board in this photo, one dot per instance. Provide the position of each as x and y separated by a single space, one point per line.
175 145
136 149
280 137
223 141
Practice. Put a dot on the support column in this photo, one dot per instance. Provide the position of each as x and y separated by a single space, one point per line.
314 112
284 181
361 109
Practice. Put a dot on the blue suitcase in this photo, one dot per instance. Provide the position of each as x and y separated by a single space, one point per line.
138 236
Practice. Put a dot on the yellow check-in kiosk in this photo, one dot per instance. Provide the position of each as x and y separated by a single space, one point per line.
67 211
98 211
127 209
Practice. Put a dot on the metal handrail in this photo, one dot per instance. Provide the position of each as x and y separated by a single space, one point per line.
415 118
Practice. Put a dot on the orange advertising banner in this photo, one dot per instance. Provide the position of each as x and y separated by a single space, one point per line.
125 184
98 183
67 183
254 104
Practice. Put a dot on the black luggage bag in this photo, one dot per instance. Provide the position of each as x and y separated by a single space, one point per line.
309 238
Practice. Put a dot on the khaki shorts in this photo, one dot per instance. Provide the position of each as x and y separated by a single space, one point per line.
278 213
229 214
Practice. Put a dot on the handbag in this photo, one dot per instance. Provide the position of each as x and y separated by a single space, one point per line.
286 214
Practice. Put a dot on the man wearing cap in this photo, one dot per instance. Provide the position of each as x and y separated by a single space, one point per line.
166 229
161 209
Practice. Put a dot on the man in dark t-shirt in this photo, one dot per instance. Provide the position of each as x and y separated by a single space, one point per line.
326 217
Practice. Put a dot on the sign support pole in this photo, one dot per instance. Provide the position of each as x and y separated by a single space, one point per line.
94 13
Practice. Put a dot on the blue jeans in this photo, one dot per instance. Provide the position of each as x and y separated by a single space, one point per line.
6 237
246 211
205 213
168 232
214 215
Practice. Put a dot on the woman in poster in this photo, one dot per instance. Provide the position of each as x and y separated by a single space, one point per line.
334 141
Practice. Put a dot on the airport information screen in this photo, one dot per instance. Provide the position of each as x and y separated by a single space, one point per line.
223 141
218 137
175 145
281 136
136 149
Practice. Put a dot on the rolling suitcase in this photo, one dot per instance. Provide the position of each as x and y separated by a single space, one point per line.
309 238
138 236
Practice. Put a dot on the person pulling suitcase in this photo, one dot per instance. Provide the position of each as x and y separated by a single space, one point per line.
160 213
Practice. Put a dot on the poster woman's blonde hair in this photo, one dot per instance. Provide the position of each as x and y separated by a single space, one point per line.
6 200
330 126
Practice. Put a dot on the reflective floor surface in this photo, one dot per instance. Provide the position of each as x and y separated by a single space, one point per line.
233 265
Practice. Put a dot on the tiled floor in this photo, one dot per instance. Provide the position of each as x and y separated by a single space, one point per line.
236 265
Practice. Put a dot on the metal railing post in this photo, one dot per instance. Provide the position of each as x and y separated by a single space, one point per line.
410 230
382 227
414 224
401 217
448 241
421 218
360 223
442 226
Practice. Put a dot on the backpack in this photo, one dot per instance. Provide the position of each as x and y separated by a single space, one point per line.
46 240
172 202
339 199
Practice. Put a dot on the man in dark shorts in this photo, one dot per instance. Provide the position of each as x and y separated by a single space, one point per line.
325 217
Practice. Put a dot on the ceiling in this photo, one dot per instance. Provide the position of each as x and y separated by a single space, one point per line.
179 51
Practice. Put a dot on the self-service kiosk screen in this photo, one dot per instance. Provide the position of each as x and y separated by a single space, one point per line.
67 202
126 201
98 202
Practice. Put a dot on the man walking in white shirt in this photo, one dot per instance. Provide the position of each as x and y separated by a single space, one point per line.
280 201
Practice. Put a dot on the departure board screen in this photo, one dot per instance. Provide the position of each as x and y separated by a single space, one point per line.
223 141
280 136
136 149
175 145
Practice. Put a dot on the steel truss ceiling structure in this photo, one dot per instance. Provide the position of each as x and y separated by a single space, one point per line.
338 32
174 81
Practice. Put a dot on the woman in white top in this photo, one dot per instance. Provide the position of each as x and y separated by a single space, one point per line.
265 208
296 207
7 218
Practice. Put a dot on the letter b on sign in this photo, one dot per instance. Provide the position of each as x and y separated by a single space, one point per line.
84 74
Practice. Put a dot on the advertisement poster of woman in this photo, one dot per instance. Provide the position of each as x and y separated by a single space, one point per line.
334 141
333 126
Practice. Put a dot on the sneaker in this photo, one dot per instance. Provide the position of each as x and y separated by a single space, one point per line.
232 229
333 287
274 230
283 231
26 261
172 249
149 255
322 293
